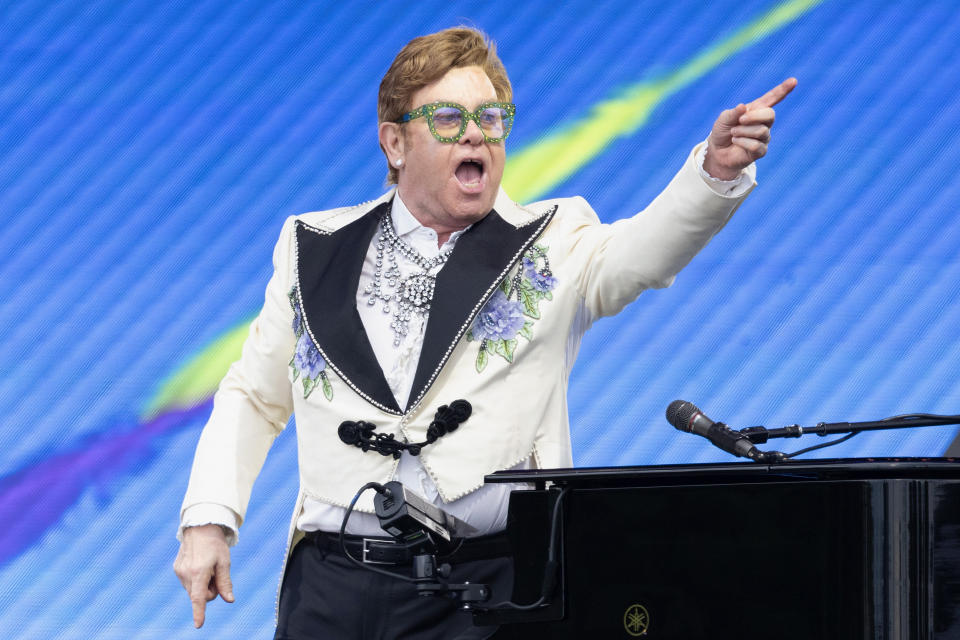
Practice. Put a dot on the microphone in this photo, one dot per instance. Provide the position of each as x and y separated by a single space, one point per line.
685 416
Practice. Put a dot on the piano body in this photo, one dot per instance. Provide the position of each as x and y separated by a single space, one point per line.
834 549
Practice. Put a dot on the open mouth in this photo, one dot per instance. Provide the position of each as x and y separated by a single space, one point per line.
470 174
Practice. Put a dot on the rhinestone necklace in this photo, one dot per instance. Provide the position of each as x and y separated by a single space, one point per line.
410 295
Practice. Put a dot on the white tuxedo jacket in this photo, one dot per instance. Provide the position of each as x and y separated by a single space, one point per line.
552 262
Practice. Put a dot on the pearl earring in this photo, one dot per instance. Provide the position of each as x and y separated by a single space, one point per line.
398 162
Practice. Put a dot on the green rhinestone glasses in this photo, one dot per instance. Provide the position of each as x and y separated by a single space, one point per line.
448 120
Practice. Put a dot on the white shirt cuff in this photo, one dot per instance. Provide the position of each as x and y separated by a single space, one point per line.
210 513
729 188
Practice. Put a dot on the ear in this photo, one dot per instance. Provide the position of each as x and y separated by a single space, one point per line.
391 141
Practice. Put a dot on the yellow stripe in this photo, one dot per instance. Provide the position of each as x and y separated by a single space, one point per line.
533 171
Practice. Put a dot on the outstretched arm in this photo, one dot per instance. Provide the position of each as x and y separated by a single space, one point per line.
648 249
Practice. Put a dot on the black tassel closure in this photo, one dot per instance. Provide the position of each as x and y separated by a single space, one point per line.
362 434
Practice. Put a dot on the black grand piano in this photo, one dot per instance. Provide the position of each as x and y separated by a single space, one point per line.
837 549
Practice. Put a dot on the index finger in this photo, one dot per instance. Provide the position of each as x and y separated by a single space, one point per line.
775 95
199 602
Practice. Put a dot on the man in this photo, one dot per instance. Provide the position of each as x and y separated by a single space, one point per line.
441 289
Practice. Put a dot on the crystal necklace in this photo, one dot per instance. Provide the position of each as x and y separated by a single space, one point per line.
403 296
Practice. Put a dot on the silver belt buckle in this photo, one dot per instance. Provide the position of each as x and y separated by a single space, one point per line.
366 549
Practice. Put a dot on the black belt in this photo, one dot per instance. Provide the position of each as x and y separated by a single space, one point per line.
387 551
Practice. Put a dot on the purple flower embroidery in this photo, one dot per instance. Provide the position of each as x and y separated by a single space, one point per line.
514 308
500 319
307 358
297 318
307 363
542 281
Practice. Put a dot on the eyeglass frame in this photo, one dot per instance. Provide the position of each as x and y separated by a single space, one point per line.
427 111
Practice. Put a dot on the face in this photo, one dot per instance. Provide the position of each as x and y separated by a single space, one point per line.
447 186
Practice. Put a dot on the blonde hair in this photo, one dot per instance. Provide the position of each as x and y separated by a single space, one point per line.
426 59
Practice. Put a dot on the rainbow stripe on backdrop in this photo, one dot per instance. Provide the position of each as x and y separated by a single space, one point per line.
530 173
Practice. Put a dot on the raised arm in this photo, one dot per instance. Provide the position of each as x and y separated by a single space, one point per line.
648 249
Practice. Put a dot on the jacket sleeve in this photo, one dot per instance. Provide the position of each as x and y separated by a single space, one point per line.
618 261
254 400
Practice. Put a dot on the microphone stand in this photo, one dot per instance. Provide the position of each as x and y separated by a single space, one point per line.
413 522
405 522
760 435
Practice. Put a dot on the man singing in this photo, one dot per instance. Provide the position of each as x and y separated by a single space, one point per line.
441 289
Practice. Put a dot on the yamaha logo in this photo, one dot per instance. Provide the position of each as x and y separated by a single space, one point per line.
636 620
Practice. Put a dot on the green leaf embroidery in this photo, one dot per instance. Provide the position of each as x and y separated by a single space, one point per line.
481 360
527 330
327 388
509 347
529 304
308 386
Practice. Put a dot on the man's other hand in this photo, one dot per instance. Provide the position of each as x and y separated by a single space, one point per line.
741 135
203 566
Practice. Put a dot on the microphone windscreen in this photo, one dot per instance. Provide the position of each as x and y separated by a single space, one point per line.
680 412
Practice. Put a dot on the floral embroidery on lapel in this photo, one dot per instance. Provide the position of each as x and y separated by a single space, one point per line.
513 308
307 363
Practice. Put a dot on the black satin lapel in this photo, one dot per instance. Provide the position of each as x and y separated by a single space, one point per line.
328 273
481 259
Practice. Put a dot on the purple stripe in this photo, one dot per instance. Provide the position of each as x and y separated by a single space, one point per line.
36 497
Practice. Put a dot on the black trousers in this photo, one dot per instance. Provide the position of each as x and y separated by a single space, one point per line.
325 596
